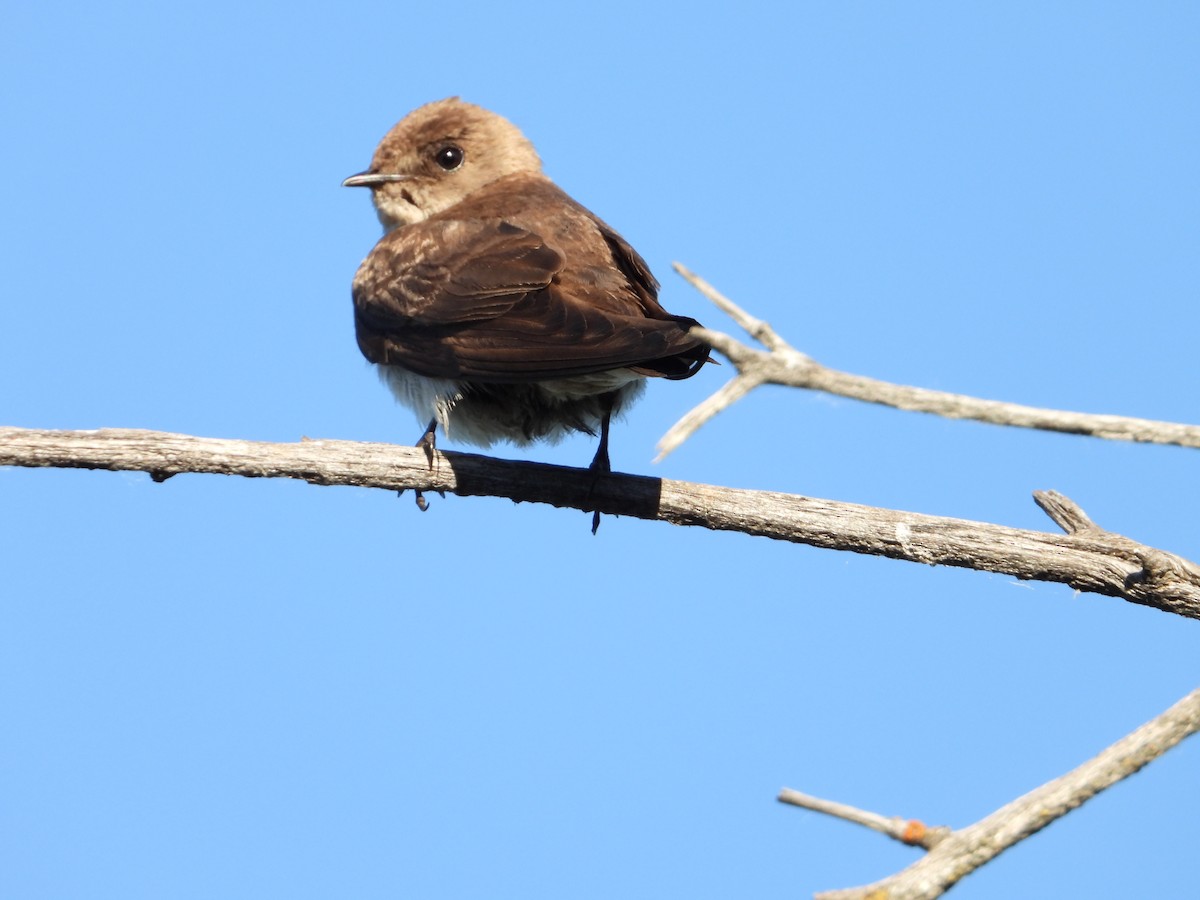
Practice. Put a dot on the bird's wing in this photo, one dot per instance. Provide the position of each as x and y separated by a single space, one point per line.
487 300
451 271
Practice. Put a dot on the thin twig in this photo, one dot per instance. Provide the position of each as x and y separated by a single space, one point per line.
906 831
1094 561
756 328
782 364
732 391
963 851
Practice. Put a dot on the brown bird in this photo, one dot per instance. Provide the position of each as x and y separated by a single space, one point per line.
495 305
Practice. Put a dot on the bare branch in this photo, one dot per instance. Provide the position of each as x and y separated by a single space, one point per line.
965 850
784 365
1065 512
725 397
906 831
1092 560
756 328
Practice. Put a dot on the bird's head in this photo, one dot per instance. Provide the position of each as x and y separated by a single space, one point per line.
439 154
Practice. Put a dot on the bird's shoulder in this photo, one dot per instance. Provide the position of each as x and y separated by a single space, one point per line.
596 258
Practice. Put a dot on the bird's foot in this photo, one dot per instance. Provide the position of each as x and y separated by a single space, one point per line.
600 466
428 443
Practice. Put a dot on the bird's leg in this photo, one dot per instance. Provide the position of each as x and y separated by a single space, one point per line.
600 462
427 441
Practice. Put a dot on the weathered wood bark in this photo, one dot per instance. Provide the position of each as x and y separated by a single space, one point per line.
1087 558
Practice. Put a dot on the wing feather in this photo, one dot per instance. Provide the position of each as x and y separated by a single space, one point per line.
485 299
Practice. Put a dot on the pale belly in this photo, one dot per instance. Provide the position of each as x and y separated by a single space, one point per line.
483 414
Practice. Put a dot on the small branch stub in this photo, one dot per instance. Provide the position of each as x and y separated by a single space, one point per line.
906 831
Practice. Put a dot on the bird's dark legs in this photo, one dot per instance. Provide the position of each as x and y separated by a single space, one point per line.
600 462
428 442
601 465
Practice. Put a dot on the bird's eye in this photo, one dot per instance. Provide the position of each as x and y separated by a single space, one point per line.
449 157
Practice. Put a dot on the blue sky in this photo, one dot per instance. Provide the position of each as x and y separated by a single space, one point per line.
226 688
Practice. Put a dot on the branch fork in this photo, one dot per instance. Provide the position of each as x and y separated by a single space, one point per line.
782 364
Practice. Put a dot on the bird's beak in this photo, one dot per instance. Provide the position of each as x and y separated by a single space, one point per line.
373 179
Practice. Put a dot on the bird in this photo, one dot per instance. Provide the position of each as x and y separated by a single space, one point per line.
495 306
